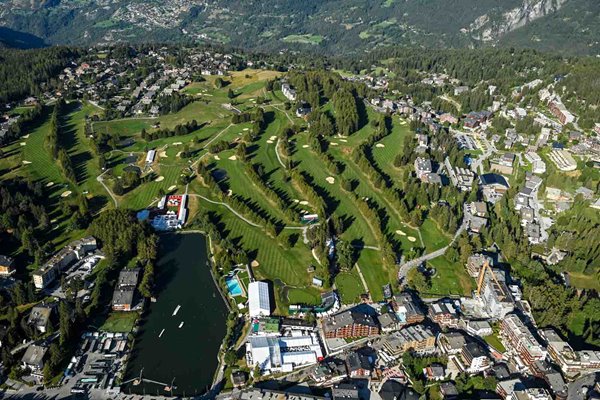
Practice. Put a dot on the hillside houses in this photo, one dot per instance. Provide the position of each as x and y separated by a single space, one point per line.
75 250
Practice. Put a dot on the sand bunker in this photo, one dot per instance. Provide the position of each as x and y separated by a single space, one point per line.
232 158
217 157
334 143
177 143
178 154
270 141
273 138
246 129
305 146
172 188
26 136
412 239
380 145
22 143
254 264
49 184
343 141
330 180
304 202
66 194
296 201
26 162
159 179
401 233
163 154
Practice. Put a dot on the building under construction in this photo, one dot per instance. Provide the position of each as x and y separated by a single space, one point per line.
493 292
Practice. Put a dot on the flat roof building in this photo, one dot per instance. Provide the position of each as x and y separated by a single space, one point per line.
259 303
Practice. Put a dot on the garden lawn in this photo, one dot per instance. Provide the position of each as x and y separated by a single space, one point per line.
349 286
450 279
120 322
308 296
375 274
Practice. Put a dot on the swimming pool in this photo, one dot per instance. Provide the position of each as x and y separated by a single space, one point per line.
233 286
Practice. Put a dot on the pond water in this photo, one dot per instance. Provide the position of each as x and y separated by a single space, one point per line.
183 346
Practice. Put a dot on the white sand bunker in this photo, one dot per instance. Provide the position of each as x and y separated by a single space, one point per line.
232 158
163 154
22 143
402 122
270 141
178 154
254 264
66 194
26 136
412 239
334 143
49 184
343 141
380 145
172 188
217 157
305 146
401 233
273 138
177 143
296 201
230 193
246 129
159 179
330 180
26 162
304 202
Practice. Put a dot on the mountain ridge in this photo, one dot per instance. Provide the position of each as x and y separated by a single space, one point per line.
333 26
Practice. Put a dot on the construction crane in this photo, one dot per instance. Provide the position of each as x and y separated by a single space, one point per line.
484 268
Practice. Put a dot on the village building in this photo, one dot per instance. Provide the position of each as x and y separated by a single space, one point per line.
416 338
259 303
7 265
350 324
521 340
33 359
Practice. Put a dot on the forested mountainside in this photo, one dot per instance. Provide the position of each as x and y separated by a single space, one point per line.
333 26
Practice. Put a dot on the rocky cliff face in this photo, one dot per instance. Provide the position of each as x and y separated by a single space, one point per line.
490 27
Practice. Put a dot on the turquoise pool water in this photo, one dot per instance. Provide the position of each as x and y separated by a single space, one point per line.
233 286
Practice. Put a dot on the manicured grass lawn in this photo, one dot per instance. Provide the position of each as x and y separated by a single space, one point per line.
374 272
308 295
359 228
433 238
349 286
120 322
146 193
42 166
276 262
495 342
450 279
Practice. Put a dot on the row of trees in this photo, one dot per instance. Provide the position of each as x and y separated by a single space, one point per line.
54 144
179 130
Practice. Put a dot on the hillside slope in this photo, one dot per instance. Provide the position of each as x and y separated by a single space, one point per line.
332 26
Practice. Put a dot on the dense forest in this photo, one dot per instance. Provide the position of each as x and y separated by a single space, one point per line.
31 72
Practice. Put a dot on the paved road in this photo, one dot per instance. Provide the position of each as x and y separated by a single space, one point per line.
277 154
406 267
240 216
112 196
362 278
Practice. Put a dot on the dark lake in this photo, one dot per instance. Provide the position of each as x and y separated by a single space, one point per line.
187 354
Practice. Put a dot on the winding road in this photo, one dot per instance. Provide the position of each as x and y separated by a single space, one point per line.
406 267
